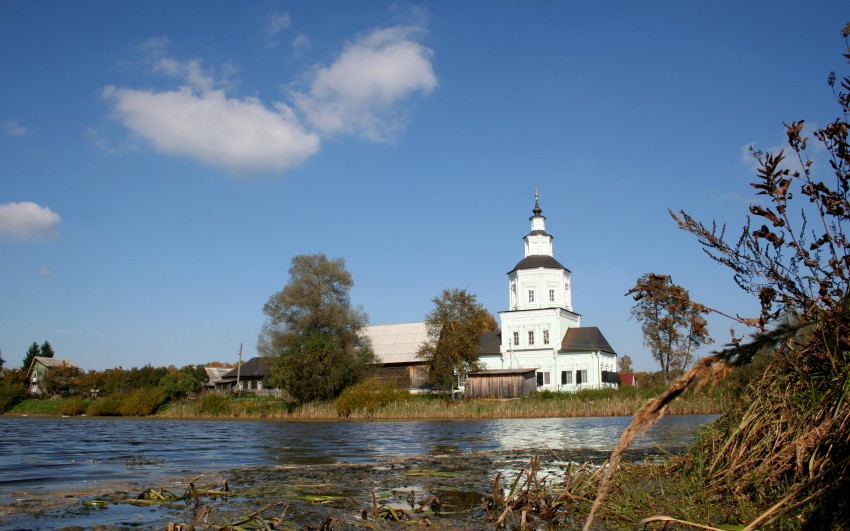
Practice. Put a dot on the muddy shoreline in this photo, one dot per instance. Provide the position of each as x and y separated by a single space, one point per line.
307 495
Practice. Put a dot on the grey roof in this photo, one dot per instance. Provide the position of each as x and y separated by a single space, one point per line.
215 374
54 362
253 368
538 260
585 339
498 372
397 343
490 343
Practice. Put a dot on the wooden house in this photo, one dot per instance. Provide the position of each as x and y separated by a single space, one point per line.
38 370
501 383
249 378
396 346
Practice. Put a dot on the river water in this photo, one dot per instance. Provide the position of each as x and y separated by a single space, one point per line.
45 454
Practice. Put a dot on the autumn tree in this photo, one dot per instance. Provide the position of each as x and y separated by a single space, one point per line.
625 363
455 325
63 381
314 332
673 326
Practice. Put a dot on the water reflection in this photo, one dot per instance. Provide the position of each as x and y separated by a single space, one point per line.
38 453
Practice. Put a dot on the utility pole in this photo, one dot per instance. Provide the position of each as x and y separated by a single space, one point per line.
239 368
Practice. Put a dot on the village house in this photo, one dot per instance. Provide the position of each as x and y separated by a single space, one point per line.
38 369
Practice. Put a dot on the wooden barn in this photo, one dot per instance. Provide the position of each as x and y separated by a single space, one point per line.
501 383
396 346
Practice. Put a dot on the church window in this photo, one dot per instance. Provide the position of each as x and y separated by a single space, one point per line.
531 295
531 337
516 338
566 377
551 295
581 377
543 378
545 337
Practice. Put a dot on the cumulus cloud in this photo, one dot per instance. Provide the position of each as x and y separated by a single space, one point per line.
242 135
362 91
27 221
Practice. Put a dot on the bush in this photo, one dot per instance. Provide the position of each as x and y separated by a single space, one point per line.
141 402
11 394
75 405
368 396
212 405
107 406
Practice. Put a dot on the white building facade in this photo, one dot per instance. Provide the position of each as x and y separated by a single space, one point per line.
541 330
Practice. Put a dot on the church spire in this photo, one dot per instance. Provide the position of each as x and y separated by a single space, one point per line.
538 242
537 210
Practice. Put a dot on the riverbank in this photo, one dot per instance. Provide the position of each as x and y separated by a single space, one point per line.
590 403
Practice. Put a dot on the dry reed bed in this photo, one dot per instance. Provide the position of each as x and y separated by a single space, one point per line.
437 409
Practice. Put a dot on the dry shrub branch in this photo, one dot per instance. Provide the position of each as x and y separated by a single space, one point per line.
785 444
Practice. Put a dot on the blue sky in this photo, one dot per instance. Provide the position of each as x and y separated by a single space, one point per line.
162 162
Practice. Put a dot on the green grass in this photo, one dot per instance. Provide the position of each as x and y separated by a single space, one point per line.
36 406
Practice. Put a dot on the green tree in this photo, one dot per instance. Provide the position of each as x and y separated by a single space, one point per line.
63 381
673 326
32 352
47 350
180 383
2 362
625 363
455 325
313 331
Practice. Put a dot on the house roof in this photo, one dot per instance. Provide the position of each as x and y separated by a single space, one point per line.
216 373
53 362
253 368
585 339
627 379
397 343
490 343
538 260
503 372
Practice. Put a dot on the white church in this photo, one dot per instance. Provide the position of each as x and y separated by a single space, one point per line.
541 331
541 340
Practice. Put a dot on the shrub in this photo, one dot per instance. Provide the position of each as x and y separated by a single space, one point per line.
368 396
107 406
75 405
141 402
11 394
212 405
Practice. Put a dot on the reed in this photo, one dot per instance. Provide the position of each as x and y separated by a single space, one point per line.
592 403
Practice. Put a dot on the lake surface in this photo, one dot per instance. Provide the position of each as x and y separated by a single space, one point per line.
42 454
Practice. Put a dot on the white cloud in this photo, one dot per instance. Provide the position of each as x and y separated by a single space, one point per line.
14 128
190 71
241 135
300 45
27 221
362 91
275 23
